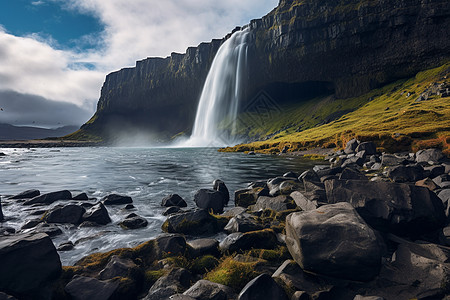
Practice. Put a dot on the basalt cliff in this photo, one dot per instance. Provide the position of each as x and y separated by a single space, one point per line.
300 50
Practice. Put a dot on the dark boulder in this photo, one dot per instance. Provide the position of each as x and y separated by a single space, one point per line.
67 246
242 223
192 222
290 174
201 247
26 194
433 171
210 199
50 198
29 265
354 162
429 155
247 197
69 214
391 160
219 185
171 245
234 211
351 146
49 229
133 221
349 173
173 200
278 203
334 240
262 287
115 199
81 288
172 210
97 214
369 147
238 241
81 197
31 223
206 290
178 279
274 184
118 267
303 201
397 207
309 175
411 173
428 183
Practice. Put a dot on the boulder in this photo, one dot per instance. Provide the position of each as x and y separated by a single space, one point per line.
219 185
327 171
391 160
278 203
238 241
114 199
29 265
429 155
274 184
49 198
31 223
369 147
427 183
309 175
162 293
434 171
290 174
302 201
246 197
353 162
49 229
97 214
173 200
439 180
67 246
262 287
118 267
411 173
26 194
242 223
69 214
194 222
210 199
206 290
401 208
171 245
351 146
334 240
177 279
300 295
133 221
234 211
349 173
172 210
81 288
201 247
81 197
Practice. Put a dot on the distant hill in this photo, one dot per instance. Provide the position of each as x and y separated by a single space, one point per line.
11 132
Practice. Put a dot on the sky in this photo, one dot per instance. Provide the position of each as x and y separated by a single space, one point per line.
55 54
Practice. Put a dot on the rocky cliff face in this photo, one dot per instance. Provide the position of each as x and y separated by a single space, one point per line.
299 50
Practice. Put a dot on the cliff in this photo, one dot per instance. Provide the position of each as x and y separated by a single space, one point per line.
300 50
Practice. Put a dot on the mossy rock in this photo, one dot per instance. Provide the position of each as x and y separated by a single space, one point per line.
195 222
203 264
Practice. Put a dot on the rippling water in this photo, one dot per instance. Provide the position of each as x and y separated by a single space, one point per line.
145 174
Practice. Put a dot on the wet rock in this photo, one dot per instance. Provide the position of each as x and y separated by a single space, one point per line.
349 173
410 173
115 199
29 265
133 221
81 288
172 210
49 198
210 199
97 214
242 223
5 231
201 247
246 197
129 207
261 239
278 203
118 267
194 222
369 147
67 246
26 194
219 185
351 146
205 290
303 202
334 241
69 214
262 287
171 244
31 223
81 197
173 200
391 160
429 155
427 183
275 183
290 174
49 229
401 208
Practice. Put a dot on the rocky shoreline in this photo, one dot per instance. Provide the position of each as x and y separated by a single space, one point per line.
361 225
49 144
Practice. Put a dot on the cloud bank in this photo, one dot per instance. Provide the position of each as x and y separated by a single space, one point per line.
133 30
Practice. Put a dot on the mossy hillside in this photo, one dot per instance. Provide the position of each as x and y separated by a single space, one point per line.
390 116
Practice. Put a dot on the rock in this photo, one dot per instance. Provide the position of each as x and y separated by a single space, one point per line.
238 241
246 197
406 173
300 295
220 186
2 218
242 223
4 296
309 175
234 211
290 174
444 236
201 247
391 160
81 288
429 155
435 171
353 162
351 146
400 208
49 229
328 171
369 147
173 200
178 279
210 199
162 293
171 244
115 199
67 246
278 203
31 223
274 185
349 173
251 153
5 231
81 197
205 290
97 214
172 210
118 267
427 183
262 287
303 202
29 265
192 222
49 198
129 207
439 180
26 194
334 240
376 166
133 221
69 214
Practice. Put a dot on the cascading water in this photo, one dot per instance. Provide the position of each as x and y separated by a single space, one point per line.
215 122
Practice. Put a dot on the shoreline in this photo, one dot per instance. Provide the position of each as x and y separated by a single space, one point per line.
48 143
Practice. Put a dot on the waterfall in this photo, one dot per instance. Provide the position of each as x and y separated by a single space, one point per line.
215 122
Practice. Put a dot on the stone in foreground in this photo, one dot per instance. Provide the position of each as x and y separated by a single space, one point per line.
262 287
204 289
334 240
210 200
191 222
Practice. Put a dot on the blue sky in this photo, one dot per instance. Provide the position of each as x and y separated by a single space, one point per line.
60 51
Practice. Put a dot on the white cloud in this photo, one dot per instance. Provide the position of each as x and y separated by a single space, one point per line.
37 3
133 30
